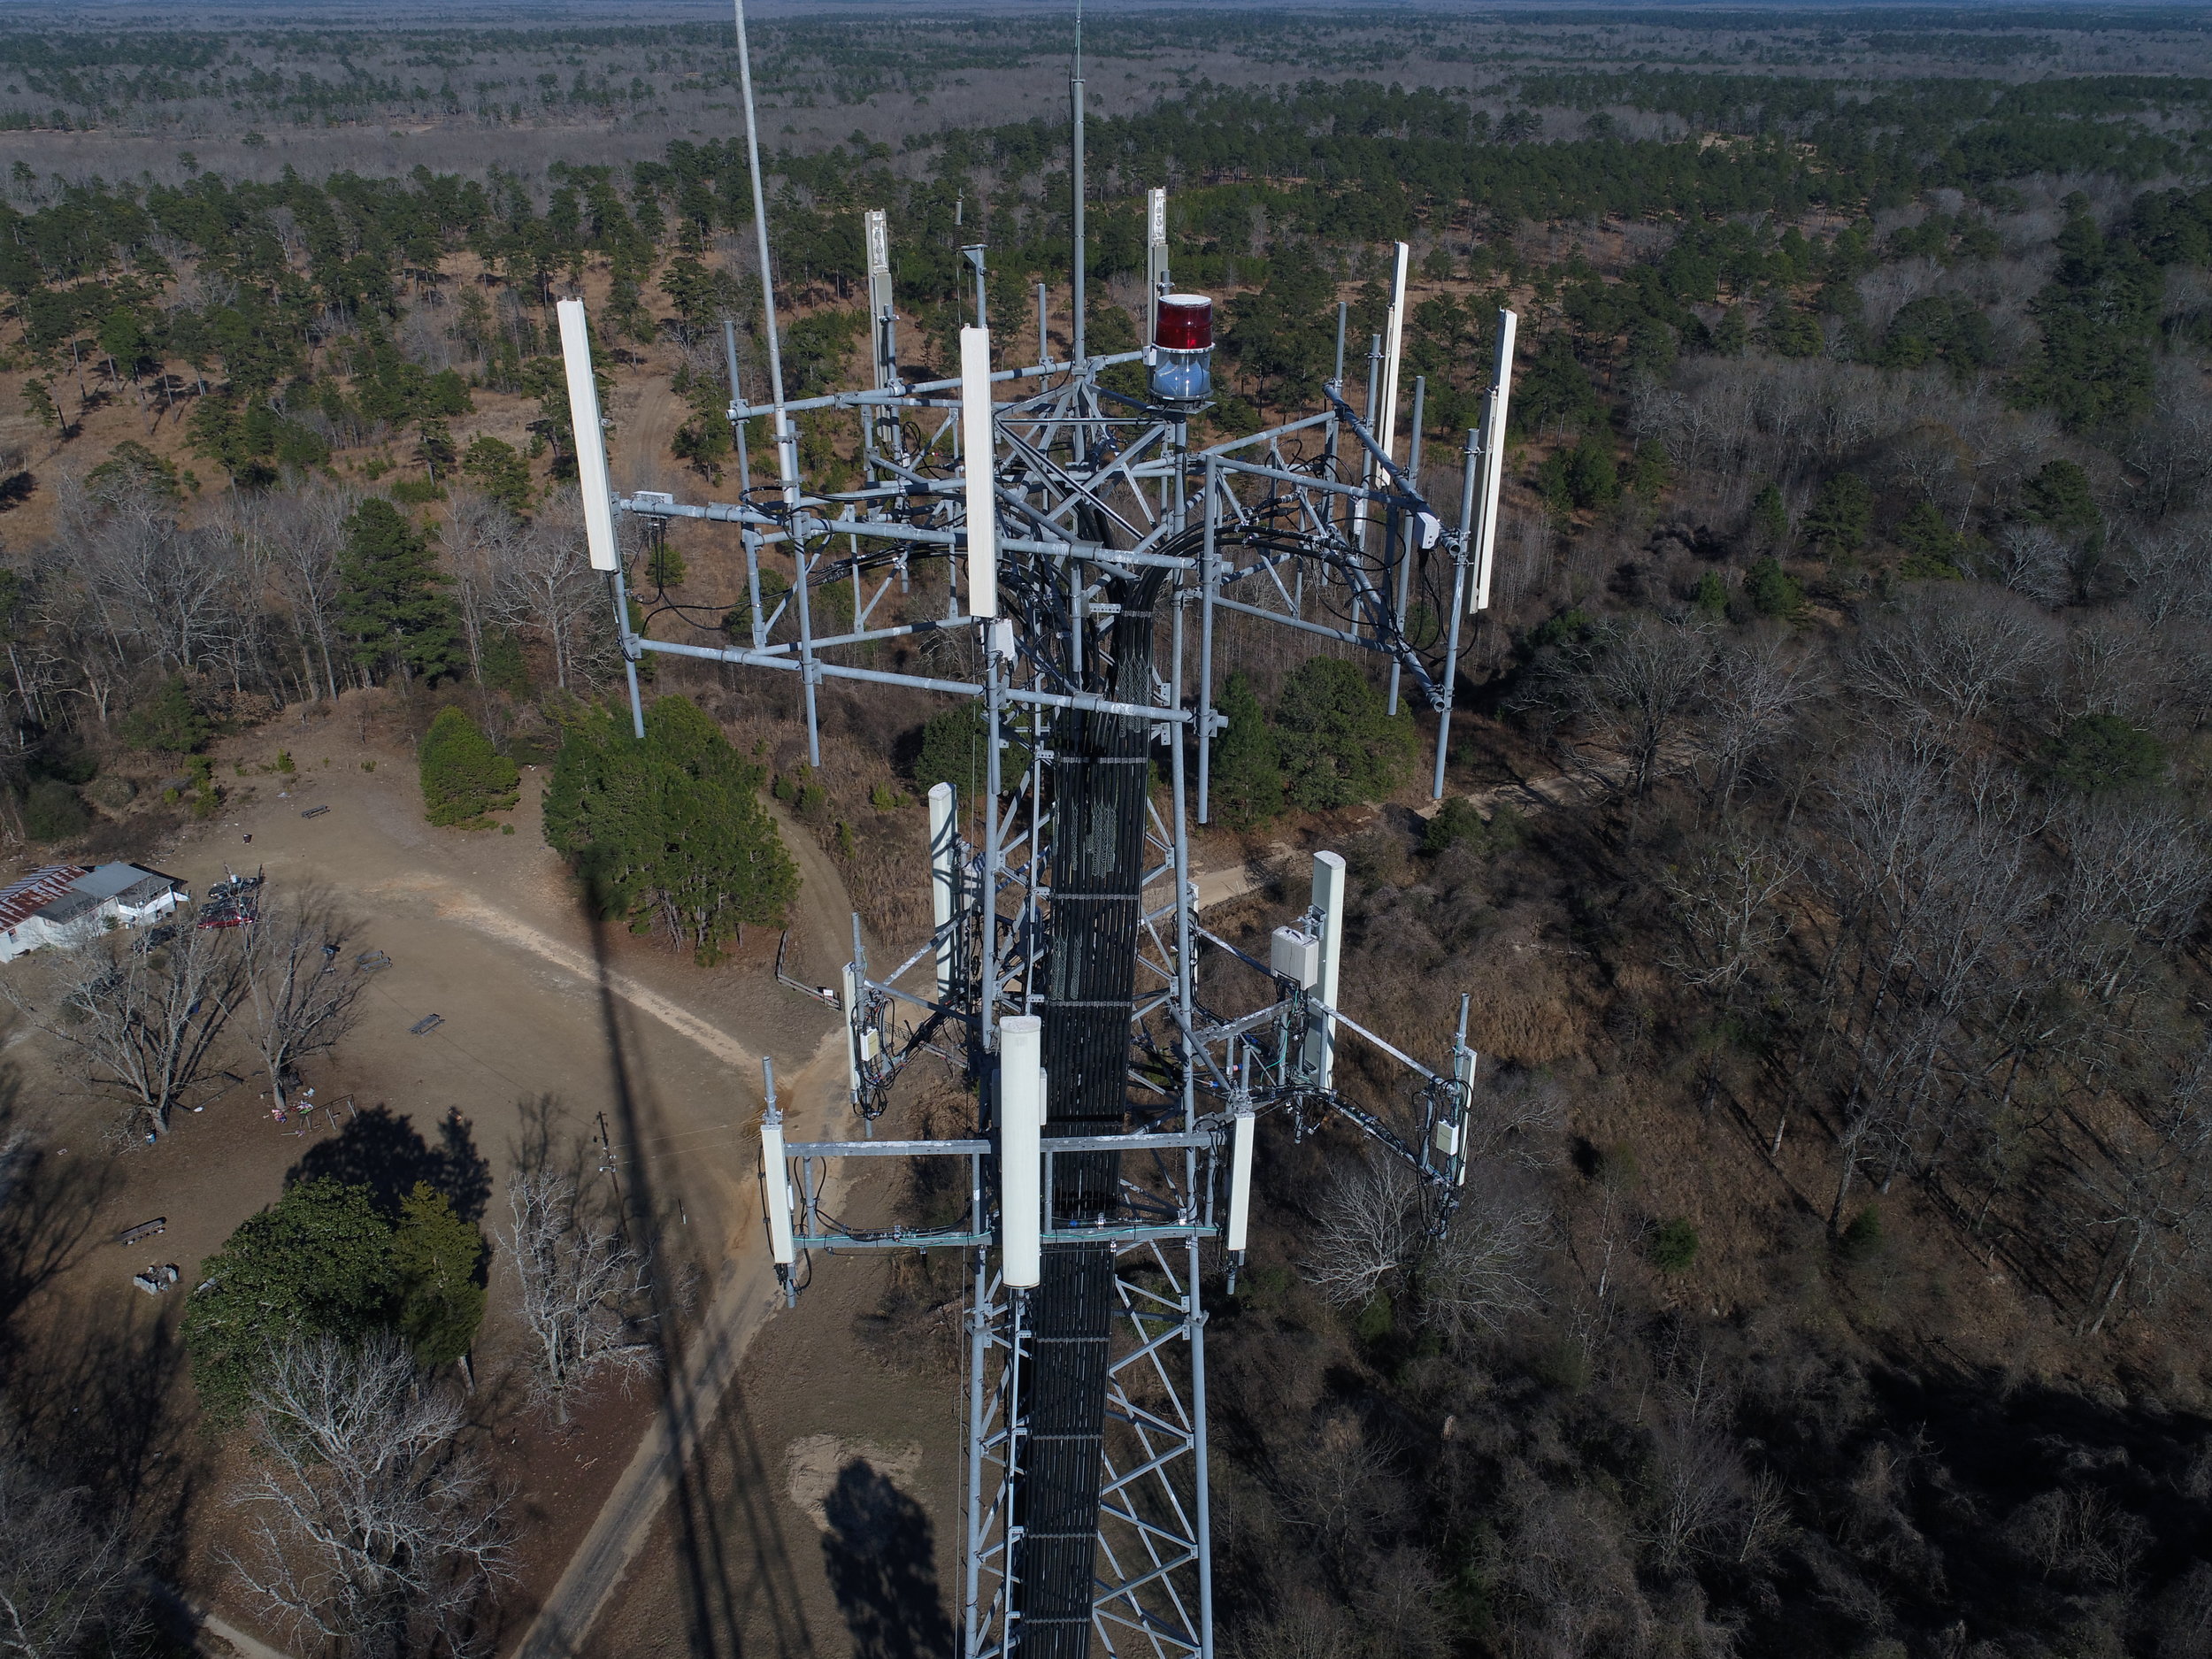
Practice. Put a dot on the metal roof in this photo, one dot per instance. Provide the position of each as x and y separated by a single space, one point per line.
110 881
21 900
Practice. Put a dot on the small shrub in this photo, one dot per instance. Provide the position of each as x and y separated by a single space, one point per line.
1459 823
284 761
1675 1247
368 765
1861 1240
1564 1365
1456 822
1376 1320
52 811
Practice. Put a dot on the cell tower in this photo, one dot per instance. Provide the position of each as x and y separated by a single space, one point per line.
1091 552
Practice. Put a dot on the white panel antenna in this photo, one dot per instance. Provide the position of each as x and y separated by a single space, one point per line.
1021 1116
1241 1182
1493 461
1156 277
1328 903
980 443
1393 338
944 879
591 437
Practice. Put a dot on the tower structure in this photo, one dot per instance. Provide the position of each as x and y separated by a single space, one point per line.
1092 548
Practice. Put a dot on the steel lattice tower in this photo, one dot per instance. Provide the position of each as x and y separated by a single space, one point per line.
1091 551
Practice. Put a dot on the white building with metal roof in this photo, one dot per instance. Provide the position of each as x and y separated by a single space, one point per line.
65 905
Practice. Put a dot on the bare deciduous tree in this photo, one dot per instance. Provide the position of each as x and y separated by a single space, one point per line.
373 1529
64 1577
1483 1266
145 1017
581 1287
303 1001
481 539
1757 686
1630 690
305 532
1368 1227
1724 897
1946 660
550 581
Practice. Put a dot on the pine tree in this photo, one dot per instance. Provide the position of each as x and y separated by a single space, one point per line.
1338 746
169 720
1770 517
437 1258
1246 781
392 599
670 830
1841 515
463 777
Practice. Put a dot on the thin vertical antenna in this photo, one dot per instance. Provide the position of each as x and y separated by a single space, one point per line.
1410 530
787 443
1462 569
786 466
1075 96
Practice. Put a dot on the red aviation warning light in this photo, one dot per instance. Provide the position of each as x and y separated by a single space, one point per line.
1183 349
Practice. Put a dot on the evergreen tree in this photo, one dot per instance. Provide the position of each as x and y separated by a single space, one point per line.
2059 496
167 720
1773 591
1247 778
500 472
1770 517
1338 746
317 1261
392 599
438 1260
462 775
671 829
954 750
1841 515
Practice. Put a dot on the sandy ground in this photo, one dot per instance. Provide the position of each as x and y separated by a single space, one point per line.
821 1517
536 1004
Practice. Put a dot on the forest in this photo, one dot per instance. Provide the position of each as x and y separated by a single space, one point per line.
1824 838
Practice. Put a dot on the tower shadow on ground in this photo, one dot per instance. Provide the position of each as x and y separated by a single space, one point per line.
734 1569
